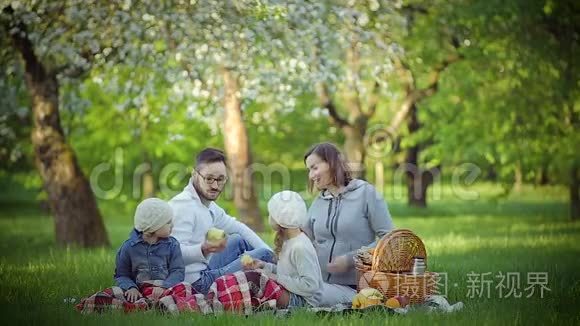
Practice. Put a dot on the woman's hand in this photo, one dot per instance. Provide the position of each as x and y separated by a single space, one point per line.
339 264
132 295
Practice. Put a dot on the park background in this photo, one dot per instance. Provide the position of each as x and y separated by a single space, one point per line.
464 114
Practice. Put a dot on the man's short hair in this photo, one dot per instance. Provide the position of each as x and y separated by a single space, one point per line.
210 155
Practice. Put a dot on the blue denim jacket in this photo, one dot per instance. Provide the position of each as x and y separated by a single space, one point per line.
138 261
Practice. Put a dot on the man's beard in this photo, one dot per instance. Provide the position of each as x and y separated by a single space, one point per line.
201 193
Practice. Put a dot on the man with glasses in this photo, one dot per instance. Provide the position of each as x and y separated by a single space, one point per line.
195 212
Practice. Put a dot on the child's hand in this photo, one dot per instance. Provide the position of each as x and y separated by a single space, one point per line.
256 264
132 295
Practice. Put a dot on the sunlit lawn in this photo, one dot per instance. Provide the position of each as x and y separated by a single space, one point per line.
525 233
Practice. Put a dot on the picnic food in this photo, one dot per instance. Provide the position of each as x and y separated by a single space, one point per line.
392 267
397 302
215 236
247 260
358 301
367 297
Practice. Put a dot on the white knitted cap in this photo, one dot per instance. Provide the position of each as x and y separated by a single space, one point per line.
152 214
287 209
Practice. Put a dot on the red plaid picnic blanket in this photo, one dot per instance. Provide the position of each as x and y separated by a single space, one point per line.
180 297
244 291
237 292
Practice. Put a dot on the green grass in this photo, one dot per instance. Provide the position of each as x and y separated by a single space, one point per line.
526 232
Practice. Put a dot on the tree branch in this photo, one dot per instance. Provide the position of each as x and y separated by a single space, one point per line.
405 73
52 18
328 104
435 76
400 116
33 66
414 8
373 101
324 96
353 62
416 95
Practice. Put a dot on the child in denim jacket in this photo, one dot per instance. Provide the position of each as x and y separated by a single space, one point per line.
150 253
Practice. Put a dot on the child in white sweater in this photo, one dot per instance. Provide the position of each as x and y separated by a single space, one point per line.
297 269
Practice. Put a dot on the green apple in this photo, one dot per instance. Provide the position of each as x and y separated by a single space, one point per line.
372 293
247 260
215 235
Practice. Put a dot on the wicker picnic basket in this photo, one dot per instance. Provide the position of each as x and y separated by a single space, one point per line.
392 261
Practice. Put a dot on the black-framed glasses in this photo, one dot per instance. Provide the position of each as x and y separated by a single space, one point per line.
210 180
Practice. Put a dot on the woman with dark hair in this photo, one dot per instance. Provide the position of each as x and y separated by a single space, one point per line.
346 215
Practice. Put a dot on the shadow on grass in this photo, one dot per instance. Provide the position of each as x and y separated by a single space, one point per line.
23 209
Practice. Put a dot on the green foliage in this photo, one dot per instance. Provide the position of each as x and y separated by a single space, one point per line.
154 89
15 147
284 135
127 117
511 101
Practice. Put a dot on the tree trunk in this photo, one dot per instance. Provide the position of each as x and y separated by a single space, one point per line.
148 179
143 180
354 148
238 151
544 178
77 217
418 180
148 185
518 178
417 191
492 173
574 193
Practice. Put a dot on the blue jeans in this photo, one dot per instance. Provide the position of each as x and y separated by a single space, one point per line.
297 301
229 261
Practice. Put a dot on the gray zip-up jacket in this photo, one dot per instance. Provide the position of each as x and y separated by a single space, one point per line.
341 225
